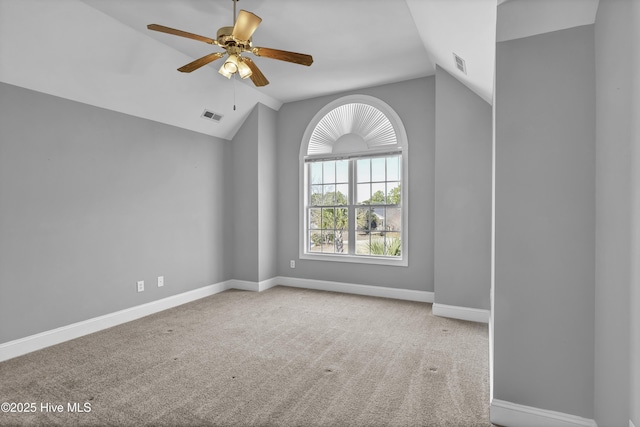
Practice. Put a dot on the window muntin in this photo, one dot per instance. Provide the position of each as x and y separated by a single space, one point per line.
379 211
354 206
328 212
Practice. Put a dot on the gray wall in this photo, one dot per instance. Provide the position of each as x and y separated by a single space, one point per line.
613 43
414 101
545 221
92 201
244 198
253 197
462 275
634 354
267 194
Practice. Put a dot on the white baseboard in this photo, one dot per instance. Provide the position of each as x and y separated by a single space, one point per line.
22 346
246 285
462 313
243 285
513 415
268 284
352 288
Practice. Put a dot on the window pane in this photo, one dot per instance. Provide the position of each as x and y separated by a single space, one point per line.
315 214
328 242
362 243
378 169
370 220
341 241
342 218
376 247
363 217
364 194
329 197
378 193
393 168
376 209
315 241
364 170
328 218
316 172
393 193
316 195
342 171
393 219
342 194
393 244
329 172
376 221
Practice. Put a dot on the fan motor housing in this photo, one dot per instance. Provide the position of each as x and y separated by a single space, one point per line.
225 38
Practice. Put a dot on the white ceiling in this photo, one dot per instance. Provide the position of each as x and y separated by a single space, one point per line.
100 52
524 18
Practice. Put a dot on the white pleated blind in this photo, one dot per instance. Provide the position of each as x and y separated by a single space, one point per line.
359 119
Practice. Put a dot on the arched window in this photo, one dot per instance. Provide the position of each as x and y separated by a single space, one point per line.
353 184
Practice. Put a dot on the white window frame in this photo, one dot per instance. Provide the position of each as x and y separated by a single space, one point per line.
400 148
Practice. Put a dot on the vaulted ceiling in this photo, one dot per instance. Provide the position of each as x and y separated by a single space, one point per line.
100 52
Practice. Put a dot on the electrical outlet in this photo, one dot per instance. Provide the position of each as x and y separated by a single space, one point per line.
292 263
160 281
140 285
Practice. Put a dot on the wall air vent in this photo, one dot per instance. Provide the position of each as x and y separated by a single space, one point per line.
210 115
460 65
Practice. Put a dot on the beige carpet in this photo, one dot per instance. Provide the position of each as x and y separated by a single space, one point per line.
283 357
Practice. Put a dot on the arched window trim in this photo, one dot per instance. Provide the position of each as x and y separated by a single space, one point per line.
400 146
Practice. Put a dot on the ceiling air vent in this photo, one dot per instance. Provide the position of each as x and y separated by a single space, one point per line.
210 115
460 63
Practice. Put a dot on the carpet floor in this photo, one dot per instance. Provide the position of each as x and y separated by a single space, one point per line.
283 357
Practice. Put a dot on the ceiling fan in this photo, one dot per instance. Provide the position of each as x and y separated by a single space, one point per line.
235 41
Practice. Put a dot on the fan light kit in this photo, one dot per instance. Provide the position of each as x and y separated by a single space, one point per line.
235 41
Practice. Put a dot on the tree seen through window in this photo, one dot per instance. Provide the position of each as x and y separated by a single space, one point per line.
375 203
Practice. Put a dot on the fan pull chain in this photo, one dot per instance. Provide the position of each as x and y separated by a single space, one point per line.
234 92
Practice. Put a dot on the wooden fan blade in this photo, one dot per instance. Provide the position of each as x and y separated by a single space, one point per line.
163 29
283 55
256 77
245 26
191 66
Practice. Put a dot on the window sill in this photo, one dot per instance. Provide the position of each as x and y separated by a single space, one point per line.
396 262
